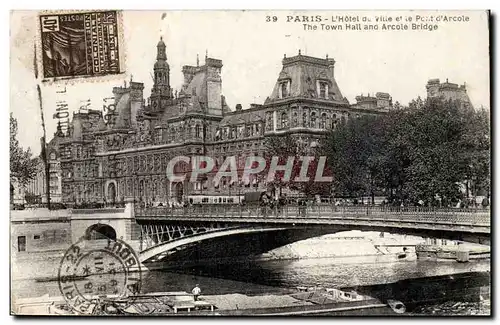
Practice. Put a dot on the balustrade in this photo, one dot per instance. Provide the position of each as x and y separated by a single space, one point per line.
470 217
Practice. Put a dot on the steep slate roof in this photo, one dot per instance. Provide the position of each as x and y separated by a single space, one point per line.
123 111
244 116
198 86
303 71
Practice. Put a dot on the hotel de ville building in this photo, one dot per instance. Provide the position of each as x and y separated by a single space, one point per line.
121 155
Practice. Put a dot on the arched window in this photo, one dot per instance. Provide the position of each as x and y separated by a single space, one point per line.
141 187
158 135
155 189
334 121
304 119
313 121
269 124
197 131
147 188
323 121
284 120
295 119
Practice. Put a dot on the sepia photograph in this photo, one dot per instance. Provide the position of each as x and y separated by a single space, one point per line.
250 163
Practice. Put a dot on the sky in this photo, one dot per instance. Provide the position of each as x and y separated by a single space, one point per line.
251 49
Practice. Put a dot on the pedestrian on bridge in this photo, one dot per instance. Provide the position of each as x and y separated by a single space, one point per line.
196 292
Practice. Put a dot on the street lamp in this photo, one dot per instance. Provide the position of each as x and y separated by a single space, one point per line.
239 191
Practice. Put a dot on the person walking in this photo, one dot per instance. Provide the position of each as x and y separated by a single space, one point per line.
196 292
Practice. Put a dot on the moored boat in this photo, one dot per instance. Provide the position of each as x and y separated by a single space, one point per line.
306 301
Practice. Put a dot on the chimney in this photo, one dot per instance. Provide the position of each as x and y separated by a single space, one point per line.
238 107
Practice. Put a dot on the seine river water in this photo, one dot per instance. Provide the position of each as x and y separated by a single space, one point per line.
277 276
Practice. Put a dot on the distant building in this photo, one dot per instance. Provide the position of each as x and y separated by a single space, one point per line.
16 190
447 91
36 189
122 156
381 101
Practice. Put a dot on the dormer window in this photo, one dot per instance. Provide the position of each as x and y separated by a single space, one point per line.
284 89
284 92
323 90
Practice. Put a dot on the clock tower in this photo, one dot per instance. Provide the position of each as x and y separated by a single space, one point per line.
161 91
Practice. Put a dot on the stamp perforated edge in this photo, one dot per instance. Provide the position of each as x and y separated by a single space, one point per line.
61 81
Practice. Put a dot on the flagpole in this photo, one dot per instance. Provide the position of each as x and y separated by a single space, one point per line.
44 143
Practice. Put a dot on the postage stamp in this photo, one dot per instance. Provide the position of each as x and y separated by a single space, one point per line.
82 44
95 271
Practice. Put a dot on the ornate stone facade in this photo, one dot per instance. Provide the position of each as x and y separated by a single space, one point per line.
122 154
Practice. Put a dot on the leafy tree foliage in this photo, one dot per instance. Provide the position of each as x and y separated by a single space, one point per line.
22 165
426 152
285 146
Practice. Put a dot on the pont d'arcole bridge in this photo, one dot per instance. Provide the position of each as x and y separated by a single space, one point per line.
162 234
208 231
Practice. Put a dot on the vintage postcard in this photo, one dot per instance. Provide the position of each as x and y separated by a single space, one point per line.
250 163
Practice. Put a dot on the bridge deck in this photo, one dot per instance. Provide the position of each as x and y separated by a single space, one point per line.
471 220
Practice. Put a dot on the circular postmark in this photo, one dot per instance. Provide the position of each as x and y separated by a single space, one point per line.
93 270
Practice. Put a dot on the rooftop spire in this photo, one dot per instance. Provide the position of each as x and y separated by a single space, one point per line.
161 50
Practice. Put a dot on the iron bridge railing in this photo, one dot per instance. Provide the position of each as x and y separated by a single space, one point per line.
453 216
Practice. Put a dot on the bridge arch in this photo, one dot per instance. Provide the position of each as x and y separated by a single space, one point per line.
247 240
264 238
100 231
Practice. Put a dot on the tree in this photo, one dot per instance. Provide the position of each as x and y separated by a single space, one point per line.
360 161
423 152
22 165
285 146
